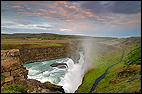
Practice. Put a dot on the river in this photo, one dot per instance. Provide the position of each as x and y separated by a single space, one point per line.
105 73
70 76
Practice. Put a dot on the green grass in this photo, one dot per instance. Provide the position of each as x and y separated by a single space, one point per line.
14 88
123 79
21 46
133 57
126 83
112 83
7 44
2 78
100 65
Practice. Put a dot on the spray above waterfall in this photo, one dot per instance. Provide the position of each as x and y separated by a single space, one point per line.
74 76
65 71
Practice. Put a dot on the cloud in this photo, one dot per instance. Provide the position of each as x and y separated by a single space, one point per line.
18 7
118 7
124 21
15 25
75 17
59 9
126 7
64 29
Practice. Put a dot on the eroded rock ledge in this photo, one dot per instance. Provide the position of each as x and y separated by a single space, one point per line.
12 66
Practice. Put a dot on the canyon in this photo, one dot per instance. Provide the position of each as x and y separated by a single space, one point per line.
12 62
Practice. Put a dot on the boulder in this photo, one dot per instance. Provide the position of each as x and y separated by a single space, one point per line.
13 53
19 72
35 86
54 87
2 69
6 74
44 91
8 79
58 64
15 66
20 80
8 62
38 87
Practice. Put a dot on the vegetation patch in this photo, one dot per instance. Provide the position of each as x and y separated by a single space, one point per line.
133 57
124 77
22 46
14 88
2 78
100 65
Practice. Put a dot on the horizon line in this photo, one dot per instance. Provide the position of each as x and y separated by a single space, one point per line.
78 35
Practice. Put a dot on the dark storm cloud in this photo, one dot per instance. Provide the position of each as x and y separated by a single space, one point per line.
126 7
121 7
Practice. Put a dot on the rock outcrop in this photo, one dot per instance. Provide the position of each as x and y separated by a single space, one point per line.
41 54
12 66
34 86
58 65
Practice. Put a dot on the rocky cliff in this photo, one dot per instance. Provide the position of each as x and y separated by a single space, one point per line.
12 66
41 54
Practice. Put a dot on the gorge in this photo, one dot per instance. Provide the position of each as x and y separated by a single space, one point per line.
24 65
42 71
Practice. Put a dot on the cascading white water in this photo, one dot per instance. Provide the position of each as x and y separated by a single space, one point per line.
70 77
73 78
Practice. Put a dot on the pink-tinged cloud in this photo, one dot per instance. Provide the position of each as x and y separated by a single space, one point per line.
67 11
62 9
30 13
25 2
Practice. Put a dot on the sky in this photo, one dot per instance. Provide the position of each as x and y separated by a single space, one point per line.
89 18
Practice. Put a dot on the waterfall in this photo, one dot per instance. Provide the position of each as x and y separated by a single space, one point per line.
69 77
73 78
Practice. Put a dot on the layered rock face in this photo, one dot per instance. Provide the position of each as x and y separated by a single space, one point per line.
41 54
12 66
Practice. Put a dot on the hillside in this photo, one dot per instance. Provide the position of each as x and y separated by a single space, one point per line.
123 77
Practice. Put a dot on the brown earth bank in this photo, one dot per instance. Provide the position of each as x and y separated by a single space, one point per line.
12 66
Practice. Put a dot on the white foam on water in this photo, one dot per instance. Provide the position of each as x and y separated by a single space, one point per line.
70 77
73 78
